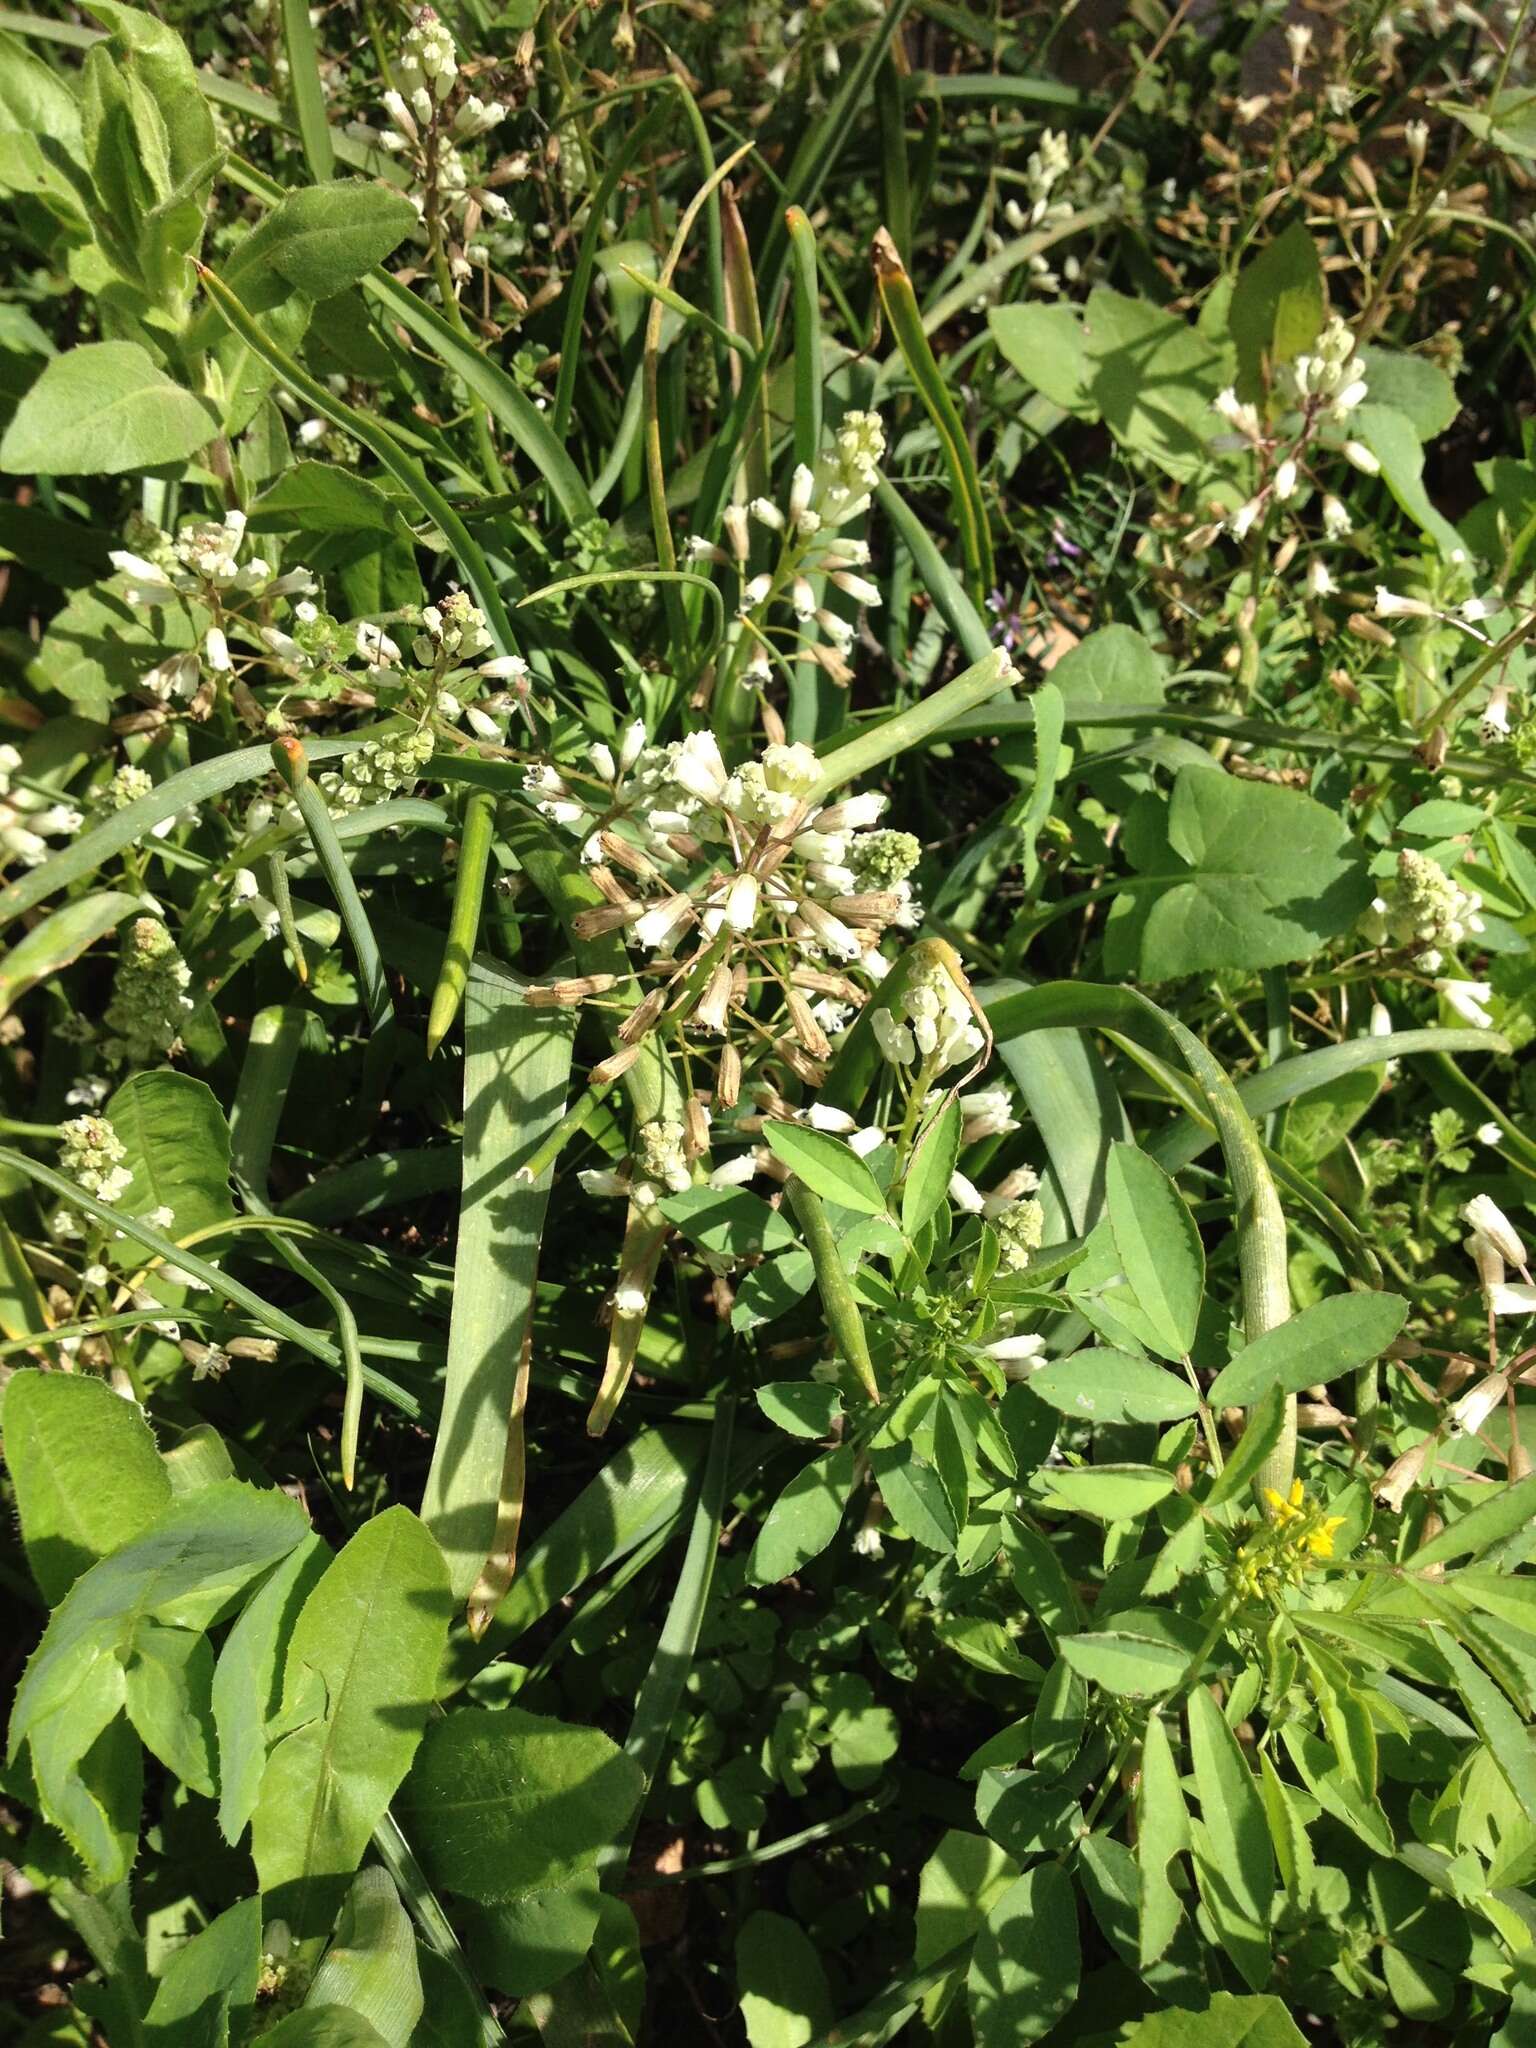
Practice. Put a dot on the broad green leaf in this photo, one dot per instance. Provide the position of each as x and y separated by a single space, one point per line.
1231 1808
1508 122
1261 1432
1390 436
517 1063
1145 1653
1159 1248
803 1407
1162 1832
1027 1961
1109 1493
1287 1833
1115 665
732 1221
96 647
1227 2022
827 1166
916 1497
784 1997
1494 1520
1414 386
248 1679
324 2026
322 238
102 408
179 1570
1047 345
1237 875
208 1987
524 1945
926 1187
362 1673
1154 377
54 943
169 1676
1112 1386
318 497
770 1290
960 1882
1319 1344
804 1518
1277 308
503 1803
176 1145
370 1966
1332 1788
87 1475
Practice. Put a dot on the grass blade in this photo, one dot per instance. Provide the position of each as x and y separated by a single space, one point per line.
516 1068
308 92
901 311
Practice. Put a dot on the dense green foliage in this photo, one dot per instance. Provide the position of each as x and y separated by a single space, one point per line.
767 838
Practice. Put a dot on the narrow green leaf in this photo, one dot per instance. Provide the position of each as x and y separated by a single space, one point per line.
1159 1248
1320 1343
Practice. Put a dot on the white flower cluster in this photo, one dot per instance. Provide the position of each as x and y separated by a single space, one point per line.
203 562
791 869
930 1020
91 1154
1318 392
1424 909
28 818
1332 377
149 1002
1048 164
428 115
378 770
820 500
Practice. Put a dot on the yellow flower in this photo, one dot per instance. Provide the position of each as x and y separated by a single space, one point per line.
1286 1510
1320 1540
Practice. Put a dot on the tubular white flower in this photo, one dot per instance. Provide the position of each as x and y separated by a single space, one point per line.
821 1116
766 513
698 768
1286 478
1515 1299
601 756
741 899
631 746
1474 1408
1467 999
965 1195
734 1173
1360 456
1389 605
1483 1215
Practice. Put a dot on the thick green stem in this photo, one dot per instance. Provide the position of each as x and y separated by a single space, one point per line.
837 1297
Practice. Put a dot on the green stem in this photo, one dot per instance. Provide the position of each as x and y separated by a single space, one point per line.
837 1296
464 918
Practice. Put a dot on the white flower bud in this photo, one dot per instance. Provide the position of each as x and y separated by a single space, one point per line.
1483 1215
1357 453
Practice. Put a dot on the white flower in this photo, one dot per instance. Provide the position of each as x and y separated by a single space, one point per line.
740 911
602 1180
734 1173
1320 581
1416 141
1336 519
1494 725
821 1116
1474 1408
631 746
142 572
1513 1299
1483 1215
1467 999
988 1113
1009 1349
601 757
1389 605
893 1038
698 768
964 1194
1286 478
1489 1134
1357 453
501 668
629 1301
866 1141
